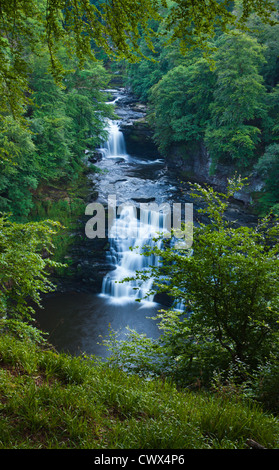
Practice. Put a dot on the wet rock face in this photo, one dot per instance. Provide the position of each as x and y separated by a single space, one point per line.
133 123
138 139
94 156
195 165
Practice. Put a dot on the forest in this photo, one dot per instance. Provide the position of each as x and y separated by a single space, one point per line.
223 95
208 75
220 89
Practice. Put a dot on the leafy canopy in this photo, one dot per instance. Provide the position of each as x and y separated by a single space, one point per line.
238 98
225 104
114 26
25 265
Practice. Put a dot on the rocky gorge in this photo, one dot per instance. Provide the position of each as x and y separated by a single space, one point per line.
132 180
129 167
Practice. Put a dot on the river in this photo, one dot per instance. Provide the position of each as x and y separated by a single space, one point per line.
77 322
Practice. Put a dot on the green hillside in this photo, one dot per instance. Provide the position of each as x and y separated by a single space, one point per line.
51 400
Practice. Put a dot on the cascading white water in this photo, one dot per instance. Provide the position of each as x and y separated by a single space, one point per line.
115 146
128 237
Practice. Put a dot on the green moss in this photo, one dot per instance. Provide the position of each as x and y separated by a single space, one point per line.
62 201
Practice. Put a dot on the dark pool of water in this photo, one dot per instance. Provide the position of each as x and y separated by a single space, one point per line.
78 322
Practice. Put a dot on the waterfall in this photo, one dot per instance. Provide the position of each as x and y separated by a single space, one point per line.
128 236
115 146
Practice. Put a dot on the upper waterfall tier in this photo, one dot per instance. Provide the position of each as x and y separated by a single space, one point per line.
115 146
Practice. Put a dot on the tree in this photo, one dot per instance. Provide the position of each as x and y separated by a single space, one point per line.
64 121
238 105
20 176
115 26
49 121
268 168
86 107
266 35
228 285
179 104
25 265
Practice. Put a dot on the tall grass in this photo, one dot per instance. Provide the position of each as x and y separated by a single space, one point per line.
50 400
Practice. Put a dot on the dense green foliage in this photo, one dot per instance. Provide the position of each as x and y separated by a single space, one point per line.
30 26
42 164
225 100
25 260
238 100
46 127
64 122
51 400
228 284
114 26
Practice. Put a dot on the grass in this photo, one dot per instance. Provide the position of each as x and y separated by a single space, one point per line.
56 401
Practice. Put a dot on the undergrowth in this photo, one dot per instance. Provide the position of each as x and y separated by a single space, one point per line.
52 400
